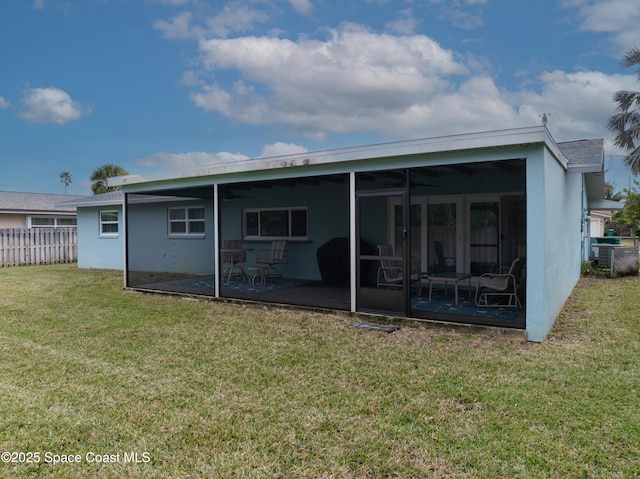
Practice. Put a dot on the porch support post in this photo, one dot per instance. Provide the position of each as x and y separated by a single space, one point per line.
216 243
353 240
125 239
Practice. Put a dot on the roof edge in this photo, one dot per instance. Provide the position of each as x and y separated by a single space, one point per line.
440 144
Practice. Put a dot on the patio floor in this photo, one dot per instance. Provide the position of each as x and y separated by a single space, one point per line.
316 294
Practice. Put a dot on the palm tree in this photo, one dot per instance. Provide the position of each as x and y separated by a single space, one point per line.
65 179
101 174
625 124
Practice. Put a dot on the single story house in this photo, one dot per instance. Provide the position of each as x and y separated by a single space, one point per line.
100 230
36 210
409 229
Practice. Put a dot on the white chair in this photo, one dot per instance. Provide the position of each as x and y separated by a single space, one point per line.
272 257
389 273
497 287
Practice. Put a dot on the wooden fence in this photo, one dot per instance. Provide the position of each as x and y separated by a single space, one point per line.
31 246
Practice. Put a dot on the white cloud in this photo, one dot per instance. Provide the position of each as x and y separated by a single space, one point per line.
279 149
51 105
397 86
232 18
405 23
462 13
335 85
618 18
4 103
580 103
38 4
303 7
235 17
175 161
178 27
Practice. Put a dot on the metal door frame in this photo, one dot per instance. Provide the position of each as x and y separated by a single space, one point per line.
378 299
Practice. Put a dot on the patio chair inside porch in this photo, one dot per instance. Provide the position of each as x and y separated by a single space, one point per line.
494 288
267 259
390 274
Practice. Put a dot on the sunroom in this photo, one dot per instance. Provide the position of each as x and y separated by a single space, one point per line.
409 229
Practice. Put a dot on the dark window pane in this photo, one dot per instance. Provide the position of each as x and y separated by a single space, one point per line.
298 222
196 227
178 227
252 224
43 221
110 228
69 221
274 223
109 216
177 214
196 213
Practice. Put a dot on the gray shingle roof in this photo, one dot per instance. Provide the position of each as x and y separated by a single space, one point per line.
111 198
584 155
20 202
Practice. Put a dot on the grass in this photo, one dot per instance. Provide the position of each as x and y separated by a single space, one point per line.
205 389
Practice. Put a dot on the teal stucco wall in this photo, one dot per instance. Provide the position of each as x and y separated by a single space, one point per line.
554 203
96 250
152 249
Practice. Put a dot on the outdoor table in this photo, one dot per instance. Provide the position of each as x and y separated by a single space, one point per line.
446 278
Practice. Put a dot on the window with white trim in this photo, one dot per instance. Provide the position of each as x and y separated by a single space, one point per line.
109 223
275 223
186 221
53 222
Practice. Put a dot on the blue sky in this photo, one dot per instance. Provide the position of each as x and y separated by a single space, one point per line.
155 86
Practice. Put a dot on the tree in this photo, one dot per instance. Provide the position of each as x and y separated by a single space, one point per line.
610 191
65 179
101 174
630 213
625 124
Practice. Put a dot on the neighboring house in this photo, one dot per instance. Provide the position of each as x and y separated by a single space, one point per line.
456 205
598 221
100 227
601 214
36 210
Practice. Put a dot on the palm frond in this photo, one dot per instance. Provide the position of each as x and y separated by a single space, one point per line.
631 58
632 160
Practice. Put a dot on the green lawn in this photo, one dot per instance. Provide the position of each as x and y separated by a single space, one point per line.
205 389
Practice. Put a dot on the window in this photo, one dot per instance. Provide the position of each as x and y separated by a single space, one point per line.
53 222
187 221
281 223
108 223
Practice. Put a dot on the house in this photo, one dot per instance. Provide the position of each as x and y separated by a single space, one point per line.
100 230
36 210
444 211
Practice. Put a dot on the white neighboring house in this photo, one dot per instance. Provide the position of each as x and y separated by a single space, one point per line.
36 210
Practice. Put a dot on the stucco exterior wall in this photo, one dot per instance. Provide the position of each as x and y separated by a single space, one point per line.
95 250
152 249
554 203
13 221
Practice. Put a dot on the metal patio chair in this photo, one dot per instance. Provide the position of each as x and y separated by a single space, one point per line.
498 286
271 257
